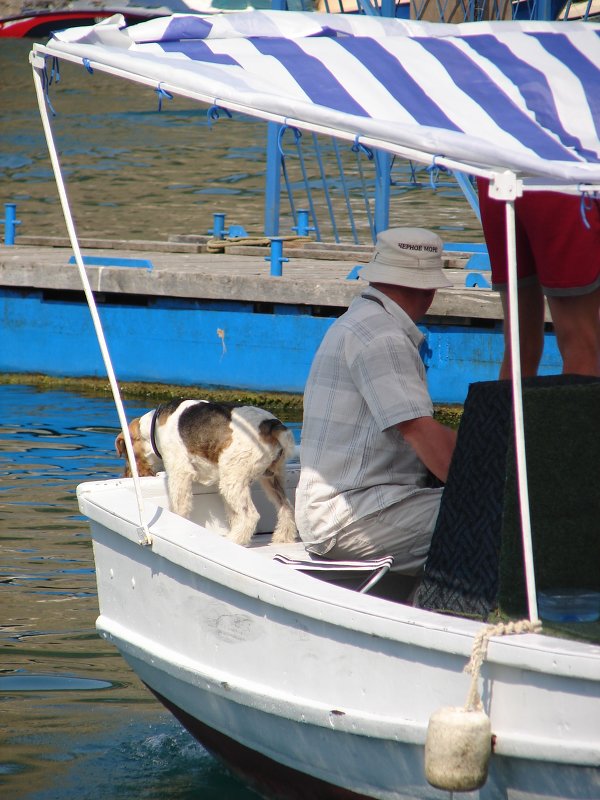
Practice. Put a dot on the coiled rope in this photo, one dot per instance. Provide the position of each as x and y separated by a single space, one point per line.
479 651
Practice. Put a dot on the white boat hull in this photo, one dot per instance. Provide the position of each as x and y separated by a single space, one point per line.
312 690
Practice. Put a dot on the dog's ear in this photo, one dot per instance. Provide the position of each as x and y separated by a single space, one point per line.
120 445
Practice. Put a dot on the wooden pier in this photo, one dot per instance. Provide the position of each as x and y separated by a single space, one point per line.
315 274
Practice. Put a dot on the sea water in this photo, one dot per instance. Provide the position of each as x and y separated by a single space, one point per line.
75 722
133 172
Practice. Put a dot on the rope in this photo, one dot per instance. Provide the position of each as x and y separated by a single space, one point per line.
214 113
479 651
434 170
162 93
219 245
49 79
357 147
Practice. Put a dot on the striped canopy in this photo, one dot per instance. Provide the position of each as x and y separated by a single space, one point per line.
522 96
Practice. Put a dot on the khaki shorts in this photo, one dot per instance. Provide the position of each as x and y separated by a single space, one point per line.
403 530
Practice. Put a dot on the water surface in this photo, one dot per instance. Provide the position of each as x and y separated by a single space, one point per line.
75 722
135 173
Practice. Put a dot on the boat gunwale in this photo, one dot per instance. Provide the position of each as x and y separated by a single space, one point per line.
241 569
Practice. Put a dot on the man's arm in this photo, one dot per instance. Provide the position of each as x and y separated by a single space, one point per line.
433 442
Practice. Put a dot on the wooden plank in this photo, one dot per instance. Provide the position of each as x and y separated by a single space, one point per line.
112 244
228 277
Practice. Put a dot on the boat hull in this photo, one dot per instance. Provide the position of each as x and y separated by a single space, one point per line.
273 779
261 773
267 666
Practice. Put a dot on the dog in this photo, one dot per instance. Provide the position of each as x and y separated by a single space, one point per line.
216 444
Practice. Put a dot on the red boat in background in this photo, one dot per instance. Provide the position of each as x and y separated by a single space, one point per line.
38 24
38 18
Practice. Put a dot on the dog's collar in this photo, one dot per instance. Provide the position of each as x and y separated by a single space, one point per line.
153 433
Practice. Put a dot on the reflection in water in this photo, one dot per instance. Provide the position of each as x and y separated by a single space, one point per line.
75 723
134 173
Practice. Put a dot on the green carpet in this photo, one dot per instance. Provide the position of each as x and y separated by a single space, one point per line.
475 564
562 444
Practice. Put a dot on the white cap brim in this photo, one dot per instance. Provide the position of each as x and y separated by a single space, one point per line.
422 278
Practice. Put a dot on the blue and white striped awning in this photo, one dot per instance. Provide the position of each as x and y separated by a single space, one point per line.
522 96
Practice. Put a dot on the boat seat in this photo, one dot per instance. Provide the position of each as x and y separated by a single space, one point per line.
329 570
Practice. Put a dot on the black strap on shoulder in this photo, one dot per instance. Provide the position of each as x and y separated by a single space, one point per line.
374 299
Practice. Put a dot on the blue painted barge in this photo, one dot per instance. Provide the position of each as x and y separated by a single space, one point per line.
221 320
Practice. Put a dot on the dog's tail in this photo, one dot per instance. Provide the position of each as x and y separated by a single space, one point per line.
274 430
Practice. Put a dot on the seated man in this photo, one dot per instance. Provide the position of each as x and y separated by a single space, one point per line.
369 440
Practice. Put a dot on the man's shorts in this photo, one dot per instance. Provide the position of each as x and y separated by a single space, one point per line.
403 530
554 246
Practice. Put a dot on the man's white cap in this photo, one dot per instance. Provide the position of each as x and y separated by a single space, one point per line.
409 257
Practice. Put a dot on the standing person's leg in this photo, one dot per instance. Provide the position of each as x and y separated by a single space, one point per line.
531 331
577 326
531 298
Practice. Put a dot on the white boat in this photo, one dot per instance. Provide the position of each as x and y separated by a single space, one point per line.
307 688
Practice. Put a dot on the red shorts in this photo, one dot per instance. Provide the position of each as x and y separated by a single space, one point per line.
553 242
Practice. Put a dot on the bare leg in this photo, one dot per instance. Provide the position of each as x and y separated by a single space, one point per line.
577 325
531 331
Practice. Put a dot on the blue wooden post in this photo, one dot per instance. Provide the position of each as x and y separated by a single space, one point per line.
382 190
10 223
272 188
388 8
302 228
218 228
276 257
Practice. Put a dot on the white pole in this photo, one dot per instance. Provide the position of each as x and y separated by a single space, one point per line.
515 349
144 534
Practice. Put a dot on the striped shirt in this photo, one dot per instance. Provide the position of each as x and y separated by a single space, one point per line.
366 377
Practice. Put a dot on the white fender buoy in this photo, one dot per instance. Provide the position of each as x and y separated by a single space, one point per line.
458 748
459 739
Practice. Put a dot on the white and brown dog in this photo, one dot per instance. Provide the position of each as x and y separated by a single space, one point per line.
217 444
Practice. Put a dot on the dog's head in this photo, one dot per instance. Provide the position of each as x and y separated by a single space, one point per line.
147 462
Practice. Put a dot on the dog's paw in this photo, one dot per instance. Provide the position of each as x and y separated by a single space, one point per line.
240 537
285 533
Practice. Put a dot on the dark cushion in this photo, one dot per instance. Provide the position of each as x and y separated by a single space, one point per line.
475 560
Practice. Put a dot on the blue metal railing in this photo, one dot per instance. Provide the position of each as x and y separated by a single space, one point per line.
463 11
340 189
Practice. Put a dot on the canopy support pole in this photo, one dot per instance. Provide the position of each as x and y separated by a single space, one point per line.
507 187
38 66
